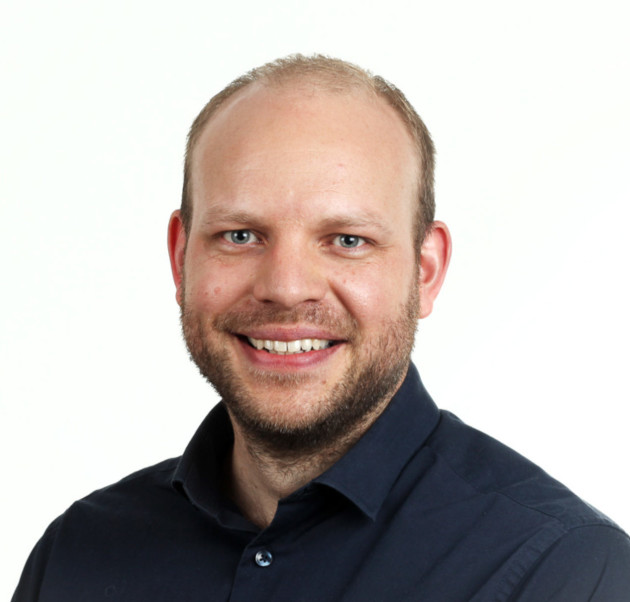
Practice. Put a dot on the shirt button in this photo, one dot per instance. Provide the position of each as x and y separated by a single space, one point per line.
263 558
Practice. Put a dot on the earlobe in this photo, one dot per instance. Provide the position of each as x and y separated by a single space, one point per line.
176 251
435 256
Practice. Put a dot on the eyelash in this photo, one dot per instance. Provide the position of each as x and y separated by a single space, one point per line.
229 236
360 240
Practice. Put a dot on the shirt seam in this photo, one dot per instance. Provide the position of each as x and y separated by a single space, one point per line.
550 535
515 575
470 483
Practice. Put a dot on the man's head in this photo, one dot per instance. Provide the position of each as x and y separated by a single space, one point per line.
339 77
297 266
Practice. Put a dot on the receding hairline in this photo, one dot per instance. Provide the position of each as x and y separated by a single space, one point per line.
334 76
300 82
300 87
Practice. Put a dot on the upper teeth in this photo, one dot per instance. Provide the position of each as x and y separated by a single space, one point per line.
284 347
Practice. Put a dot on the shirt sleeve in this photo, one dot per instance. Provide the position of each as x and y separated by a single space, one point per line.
588 564
30 583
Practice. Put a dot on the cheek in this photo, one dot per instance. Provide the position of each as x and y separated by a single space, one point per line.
374 296
212 287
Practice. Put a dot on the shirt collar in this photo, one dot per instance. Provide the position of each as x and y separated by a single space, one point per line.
364 475
368 471
199 471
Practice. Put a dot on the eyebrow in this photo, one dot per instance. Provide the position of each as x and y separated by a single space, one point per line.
358 220
215 214
341 221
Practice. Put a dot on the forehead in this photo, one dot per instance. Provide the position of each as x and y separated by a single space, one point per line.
292 142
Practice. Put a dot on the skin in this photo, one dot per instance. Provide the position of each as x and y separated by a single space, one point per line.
299 170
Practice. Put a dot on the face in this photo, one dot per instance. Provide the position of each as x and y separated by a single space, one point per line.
299 279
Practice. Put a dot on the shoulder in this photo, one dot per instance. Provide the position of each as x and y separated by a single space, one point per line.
490 467
564 544
101 517
591 563
156 475
133 499
140 488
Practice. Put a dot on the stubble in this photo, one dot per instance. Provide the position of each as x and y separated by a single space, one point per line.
376 370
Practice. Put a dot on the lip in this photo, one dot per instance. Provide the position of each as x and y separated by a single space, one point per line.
293 333
272 361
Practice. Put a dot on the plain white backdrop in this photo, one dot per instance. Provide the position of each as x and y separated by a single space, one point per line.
528 104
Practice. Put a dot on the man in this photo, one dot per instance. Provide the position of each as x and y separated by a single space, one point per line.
303 254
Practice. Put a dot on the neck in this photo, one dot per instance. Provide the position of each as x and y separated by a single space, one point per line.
260 476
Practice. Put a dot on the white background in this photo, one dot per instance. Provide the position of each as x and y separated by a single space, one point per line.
528 104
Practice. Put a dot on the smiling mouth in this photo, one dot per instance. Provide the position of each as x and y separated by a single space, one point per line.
290 347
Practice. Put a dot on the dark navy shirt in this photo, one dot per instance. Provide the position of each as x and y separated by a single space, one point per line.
422 508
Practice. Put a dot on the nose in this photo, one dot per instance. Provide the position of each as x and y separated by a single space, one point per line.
289 274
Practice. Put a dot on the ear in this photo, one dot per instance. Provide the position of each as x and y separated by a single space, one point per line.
435 255
176 251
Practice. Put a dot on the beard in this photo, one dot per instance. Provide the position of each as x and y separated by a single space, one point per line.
377 367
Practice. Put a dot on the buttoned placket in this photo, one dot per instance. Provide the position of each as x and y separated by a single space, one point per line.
264 562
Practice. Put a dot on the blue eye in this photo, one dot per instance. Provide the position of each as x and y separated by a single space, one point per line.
349 241
240 237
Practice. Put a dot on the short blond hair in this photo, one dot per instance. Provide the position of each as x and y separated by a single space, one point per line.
333 75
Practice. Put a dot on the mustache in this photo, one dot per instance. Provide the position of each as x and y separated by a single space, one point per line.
318 315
